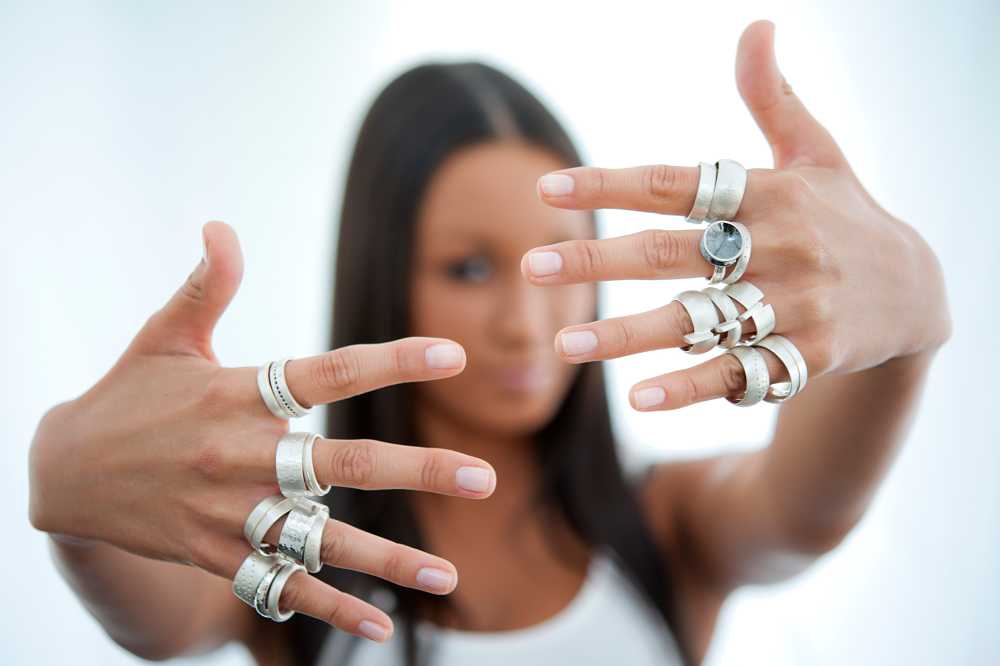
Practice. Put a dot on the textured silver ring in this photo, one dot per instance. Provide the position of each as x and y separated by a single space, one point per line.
730 184
291 463
755 371
731 327
264 386
703 317
792 359
260 595
249 575
272 516
723 244
703 198
258 513
282 393
277 587
309 468
298 527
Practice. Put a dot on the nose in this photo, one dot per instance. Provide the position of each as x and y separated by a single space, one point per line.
523 314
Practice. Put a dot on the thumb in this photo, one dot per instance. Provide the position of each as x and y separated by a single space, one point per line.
796 138
185 324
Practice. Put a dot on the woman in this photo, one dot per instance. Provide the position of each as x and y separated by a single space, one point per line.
443 240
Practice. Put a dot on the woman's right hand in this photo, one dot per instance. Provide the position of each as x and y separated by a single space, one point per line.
167 454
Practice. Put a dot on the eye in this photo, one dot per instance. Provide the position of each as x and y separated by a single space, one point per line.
472 269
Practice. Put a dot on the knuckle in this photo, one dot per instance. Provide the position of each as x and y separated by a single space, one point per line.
219 395
392 567
690 391
353 463
430 472
210 458
797 190
624 334
338 370
335 609
335 546
822 356
660 181
589 257
660 248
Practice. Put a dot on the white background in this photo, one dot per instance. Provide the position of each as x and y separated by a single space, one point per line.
126 126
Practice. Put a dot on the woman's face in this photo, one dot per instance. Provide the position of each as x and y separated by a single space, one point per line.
479 216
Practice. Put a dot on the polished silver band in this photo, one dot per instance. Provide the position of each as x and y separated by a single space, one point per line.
314 544
258 513
276 588
260 595
763 320
731 327
264 386
309 468
299 527
250 574
282 393
790 357
755 371
272 516
730 184
703 199
746 294
703 316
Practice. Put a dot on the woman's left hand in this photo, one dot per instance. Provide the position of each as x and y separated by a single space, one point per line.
851 285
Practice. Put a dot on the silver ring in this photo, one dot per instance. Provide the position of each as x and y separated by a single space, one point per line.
763 319
277 587
293 465
260 594
298 527
746 294
744 260
258 513
730 184
724 244
792 359
703 316
703 198
282 394
755 371
309 468
314 544
250 574
731 326
272 516
264 386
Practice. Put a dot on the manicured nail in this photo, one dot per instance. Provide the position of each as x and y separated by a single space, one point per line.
544 263
556 184
474 479
648 397
444 356
578 342
372 630
435 580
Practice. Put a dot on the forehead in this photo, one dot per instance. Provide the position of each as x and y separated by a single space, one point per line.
487 192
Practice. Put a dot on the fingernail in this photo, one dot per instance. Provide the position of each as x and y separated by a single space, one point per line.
435 580
474 479
544 263
578 342
372 630
444 356
648 397
556 184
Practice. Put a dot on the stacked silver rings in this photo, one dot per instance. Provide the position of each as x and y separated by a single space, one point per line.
724 242
293 463
275 392
260 581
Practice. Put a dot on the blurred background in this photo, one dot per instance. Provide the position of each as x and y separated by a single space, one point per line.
125 126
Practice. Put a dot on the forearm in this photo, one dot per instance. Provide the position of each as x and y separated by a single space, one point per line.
833 444
153 608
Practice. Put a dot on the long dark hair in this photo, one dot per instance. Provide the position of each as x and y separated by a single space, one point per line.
414 124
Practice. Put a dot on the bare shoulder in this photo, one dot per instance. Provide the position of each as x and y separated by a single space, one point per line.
663 491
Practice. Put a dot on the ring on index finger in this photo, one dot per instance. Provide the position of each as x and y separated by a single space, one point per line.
274 390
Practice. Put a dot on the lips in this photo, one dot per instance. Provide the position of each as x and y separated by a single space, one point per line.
523 377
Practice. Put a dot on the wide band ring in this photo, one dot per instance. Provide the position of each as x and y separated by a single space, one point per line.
730 184
293 465
271 516
703 198
723 244
731 328
250 574
258 512
703 316
792 359
757 376
299 534
267 393
260 594
746 294
288 568
280 394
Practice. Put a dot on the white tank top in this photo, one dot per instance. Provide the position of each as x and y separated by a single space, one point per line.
607 622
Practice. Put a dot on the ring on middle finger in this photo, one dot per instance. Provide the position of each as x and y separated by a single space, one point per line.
293 464
724 244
